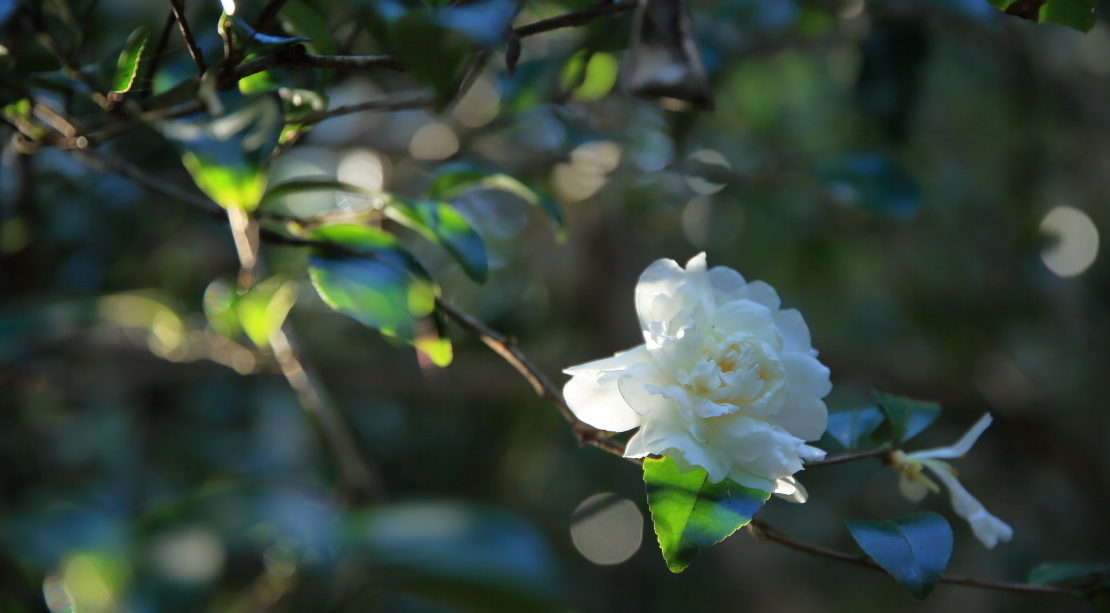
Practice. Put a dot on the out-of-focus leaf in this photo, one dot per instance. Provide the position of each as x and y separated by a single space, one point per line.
261 82
913 549
689 512
874 181
1077 14
301 19
472 558
258 43
227 155
589 75
386 290
853 428
451 180
483 22
297 186
220 308
441 224
263 309
127 67
905 417
1069 572
437 54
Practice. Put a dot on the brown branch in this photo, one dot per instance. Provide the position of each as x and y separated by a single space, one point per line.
763 532
575 19
849 457
194 50
406 100
506 348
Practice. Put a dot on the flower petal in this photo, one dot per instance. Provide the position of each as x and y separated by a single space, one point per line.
795 332
726 282
662 277
804 416
987 528
621 361
790 490
912 489
962 446
635 446
595 399
807 376
749 317
758 291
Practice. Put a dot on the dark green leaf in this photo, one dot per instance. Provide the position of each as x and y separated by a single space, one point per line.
258 43
689 512
1078 14
853 428
913 549
441 224
304 21
128 65
386 289
905 417
483 22
227 155
1072 572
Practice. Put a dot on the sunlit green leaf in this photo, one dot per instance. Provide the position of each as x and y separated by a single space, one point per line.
298 186
913 549
220 302
1078 14
905 417
383 287
689 512
590 76
128 65
262 310
1069 572
227 155
441 224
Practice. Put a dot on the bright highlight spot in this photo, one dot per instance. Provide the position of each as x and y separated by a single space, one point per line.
709 162
1077 241
362 167
229 6
56 595
585 174
433 141
607 529
189 555
479 106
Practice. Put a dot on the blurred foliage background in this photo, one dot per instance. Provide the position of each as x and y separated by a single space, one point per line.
889 167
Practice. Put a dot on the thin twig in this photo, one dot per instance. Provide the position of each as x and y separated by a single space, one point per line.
405 100
194 50
763 532
575 19
507 349
267 15
297 57
849 457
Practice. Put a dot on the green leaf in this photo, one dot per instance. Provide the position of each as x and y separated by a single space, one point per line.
1072 572
305 22
452 180
227 155
263 309
220 308
386 290
1077 14
689 512
913 549
128 65
441 224
905 417
853 429
319 185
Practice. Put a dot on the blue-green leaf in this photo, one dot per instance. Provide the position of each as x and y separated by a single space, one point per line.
441 224
689 512
905 417
127 67
1071 572
452 180
913 549
383 287
853 428
227 155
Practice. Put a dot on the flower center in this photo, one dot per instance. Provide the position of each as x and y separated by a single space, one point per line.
727 374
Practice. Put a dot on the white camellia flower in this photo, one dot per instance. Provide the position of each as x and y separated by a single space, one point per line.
914 485
725 380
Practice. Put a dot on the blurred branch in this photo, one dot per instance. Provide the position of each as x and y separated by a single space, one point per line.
267 15
404 100
763 532
575 19
194 50
298 57
146 83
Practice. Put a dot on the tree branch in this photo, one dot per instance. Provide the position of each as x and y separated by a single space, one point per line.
849 457
194 50
575 19
146 83
396 102
763 532
267 15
